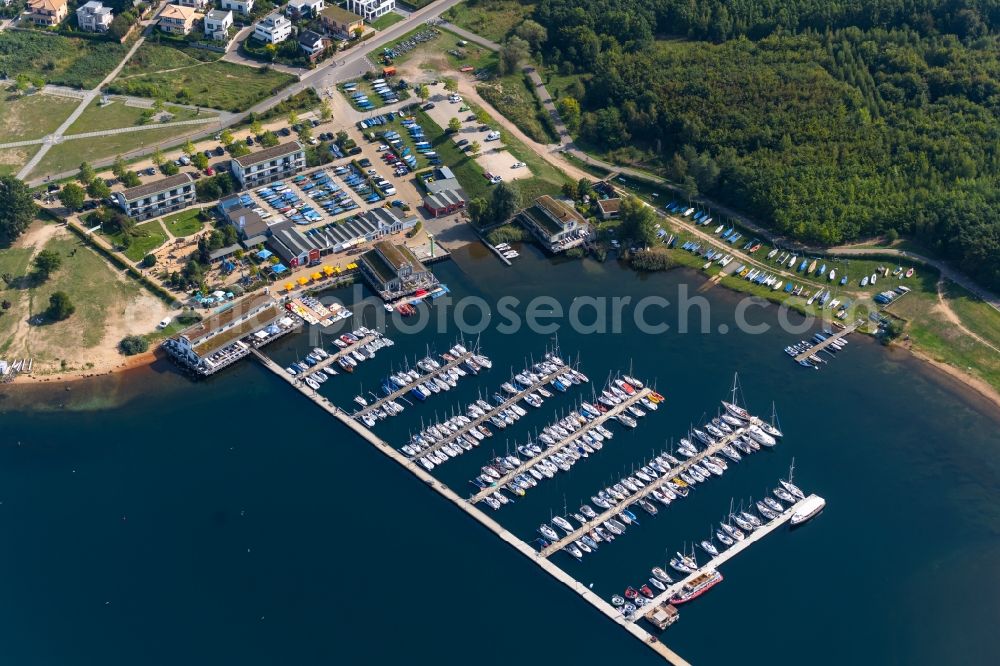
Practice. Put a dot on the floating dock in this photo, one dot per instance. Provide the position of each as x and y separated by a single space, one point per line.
503 480
406 389
643 492
820 346
648 639
333 358
492 412
719 559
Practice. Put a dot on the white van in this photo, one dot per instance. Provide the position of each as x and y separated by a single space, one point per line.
493 136
163 323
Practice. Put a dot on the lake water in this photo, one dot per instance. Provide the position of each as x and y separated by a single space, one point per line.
147 519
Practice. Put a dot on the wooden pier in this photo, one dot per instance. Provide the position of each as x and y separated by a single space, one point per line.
490 413
614 411
718 560
643 492
650 640
406 389
820 346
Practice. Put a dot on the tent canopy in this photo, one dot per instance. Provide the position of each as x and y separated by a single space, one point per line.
289 286
303 280
278 269
264 254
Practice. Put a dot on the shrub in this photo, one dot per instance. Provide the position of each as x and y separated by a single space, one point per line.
60 307
650 260
149 261
131 345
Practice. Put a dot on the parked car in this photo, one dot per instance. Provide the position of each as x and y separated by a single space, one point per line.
462 142
150 171
249 140
365 162
284 131
428 106
220 151
493 136
209 171
517 165
470 119
208 153
163 323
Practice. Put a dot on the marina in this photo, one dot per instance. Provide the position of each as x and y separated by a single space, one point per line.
666 596
525 465
451 362
670 476
806 354
470 509
487 415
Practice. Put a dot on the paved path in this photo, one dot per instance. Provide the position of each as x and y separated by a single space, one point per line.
84 103
50 140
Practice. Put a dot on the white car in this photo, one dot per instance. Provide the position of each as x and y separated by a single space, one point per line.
382 148
496 179
163 323
493 136
517 165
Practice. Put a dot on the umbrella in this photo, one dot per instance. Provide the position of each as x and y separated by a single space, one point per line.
317 275
303 280
289 286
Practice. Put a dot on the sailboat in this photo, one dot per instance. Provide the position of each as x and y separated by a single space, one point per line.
793 489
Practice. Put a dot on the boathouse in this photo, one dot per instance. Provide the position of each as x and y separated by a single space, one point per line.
555 224
394 271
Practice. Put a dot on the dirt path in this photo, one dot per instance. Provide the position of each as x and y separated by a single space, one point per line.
945 310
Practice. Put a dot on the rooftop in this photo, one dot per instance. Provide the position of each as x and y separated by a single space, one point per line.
258 321
609 205
559 211
46 5
196 333
178 12
146 189
339 15
218 14
268 154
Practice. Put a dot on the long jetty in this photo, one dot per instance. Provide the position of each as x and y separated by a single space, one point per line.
614 411
650 640
333 358
719 560
643 492
823 344
490 413
406 389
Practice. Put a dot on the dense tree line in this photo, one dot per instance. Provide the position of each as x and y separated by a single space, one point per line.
832 121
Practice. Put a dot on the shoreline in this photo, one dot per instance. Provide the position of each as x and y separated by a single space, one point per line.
975 387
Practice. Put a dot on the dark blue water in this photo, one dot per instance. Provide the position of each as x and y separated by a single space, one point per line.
230 521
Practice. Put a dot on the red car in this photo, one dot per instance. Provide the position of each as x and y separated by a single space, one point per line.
209 171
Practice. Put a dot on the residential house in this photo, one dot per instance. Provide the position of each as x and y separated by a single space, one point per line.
198 5
217 24
312 44
272 29
46 12
556 225
250 227
269 164
177 20
394 271
158 197
444 202
609 208
297 9
94 17
340 22
371 9
242 7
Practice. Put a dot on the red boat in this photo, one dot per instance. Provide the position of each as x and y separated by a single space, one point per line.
625 386
646 592
697 586
630 593
656 396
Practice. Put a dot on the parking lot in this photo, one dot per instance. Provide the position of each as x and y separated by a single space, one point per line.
493 158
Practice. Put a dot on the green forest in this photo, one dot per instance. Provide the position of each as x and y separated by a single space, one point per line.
829 121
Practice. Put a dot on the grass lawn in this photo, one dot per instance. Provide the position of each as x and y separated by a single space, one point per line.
12 159
216 84
152 58
492 19
152 237
386 20
32 116
184 223
112 116
67 155
13 260
92 288
71 61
